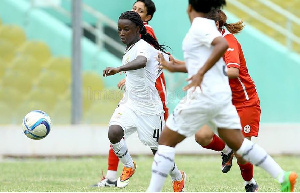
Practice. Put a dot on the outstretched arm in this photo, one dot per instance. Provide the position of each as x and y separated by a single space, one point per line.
139 62
173 65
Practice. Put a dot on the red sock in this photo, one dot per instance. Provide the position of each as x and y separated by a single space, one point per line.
113 160
246 171
217 144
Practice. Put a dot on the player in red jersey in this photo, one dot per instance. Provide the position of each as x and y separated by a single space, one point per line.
146 9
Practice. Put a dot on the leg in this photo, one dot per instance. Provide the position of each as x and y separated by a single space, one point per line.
178 177
113 162
246 169
164 158
110 180
115 136
209 140
256 155
250 118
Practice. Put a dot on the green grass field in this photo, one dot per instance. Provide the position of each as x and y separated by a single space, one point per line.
78 174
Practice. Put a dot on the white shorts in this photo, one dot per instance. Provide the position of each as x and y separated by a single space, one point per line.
148 127
191 115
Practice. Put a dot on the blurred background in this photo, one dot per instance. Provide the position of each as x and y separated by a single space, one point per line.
36 68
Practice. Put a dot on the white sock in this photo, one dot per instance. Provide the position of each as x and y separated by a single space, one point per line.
121 151
226 150
252 181
259 157
111 175
162 165
175 173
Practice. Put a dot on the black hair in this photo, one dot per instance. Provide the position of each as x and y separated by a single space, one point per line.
205 6
136 18
149 4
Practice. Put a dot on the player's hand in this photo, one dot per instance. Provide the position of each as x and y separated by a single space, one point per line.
121 84
196 81
165 64
110 71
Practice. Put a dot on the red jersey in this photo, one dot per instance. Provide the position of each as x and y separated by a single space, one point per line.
160 81
149 30
243 88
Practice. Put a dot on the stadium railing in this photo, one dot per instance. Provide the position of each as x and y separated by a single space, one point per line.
286 31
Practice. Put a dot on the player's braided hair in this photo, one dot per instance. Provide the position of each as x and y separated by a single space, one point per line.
135 18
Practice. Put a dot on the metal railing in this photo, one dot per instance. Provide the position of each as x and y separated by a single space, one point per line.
286 31
98 29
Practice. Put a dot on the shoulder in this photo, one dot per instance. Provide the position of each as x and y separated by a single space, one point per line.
144 46
203 26
149 30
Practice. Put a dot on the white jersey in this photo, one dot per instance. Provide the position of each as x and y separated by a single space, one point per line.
141 94
197 49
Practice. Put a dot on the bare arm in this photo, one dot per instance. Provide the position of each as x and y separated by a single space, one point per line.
173 65
139 62
233 72
220 47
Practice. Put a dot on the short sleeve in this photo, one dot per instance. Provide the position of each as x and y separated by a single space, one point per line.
206 31
143 50
231 56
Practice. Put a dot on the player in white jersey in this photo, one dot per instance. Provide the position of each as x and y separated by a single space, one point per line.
208 101
141 109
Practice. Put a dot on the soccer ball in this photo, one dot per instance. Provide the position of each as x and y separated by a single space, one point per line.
36 125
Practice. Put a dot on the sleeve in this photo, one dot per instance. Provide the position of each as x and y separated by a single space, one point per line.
231 56
143 50
206 33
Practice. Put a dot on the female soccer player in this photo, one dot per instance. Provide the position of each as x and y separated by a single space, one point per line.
146 10
244 98
141 107
208 102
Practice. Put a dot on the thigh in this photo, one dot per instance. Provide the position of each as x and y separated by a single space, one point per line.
149 128
250 118
226 116
124 117
188 117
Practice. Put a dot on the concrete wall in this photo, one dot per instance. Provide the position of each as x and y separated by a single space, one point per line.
86 140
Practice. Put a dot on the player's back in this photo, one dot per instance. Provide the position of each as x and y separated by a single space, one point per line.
197 49
243 87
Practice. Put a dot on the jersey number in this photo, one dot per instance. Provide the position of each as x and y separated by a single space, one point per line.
224 70
157 132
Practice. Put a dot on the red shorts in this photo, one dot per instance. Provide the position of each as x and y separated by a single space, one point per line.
250 118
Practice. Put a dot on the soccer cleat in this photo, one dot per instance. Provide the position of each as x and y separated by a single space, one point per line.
178 186
226 161
106 183
289 182
123 180
251 187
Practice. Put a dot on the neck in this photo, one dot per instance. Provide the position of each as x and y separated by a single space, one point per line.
132 43
195 14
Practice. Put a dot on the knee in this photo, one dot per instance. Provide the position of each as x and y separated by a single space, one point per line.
115 134
204 138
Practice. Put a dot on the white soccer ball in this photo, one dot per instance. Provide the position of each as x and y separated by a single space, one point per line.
36 125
